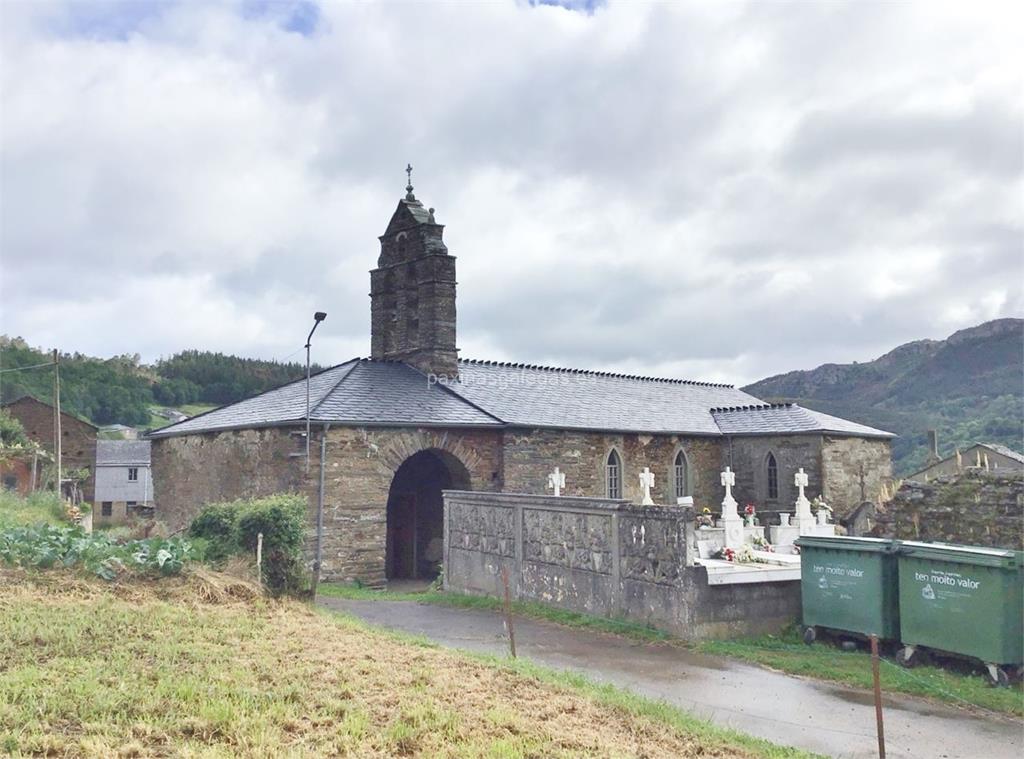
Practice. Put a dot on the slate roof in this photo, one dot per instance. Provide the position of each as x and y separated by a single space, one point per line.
1008 452
493 394
783 418
122 452
360 391
534 396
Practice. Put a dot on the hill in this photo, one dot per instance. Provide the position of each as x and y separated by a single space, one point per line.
121 390
970 387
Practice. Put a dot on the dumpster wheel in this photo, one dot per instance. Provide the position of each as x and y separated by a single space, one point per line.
810 635
907 657
997 675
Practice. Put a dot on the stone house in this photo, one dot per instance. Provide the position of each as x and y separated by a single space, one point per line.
124 485
390 432
986 456
78 437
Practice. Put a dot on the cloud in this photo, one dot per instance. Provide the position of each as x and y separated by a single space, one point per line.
716 191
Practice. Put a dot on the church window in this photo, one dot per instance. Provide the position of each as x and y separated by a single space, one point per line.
133 474
681 470
613 475
773 477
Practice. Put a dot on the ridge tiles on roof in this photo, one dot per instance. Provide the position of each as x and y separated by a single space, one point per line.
591 372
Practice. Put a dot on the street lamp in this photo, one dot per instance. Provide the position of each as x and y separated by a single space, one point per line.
318 317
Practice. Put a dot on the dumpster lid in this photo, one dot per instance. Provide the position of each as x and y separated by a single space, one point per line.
982 555
846 543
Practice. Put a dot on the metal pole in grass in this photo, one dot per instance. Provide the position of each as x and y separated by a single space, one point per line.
878 697
508 614
259 557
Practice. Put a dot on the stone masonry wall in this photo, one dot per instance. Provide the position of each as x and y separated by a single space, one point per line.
192 470
602 557
974 508
853 471
361 463
748 457
531 455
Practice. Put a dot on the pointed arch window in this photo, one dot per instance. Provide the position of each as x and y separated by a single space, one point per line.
773 477
613 475
681 471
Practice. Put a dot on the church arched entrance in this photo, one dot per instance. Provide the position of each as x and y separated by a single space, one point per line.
415 533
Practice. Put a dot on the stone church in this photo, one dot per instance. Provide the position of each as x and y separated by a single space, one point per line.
392 431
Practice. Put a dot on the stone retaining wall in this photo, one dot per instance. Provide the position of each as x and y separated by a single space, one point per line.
602 557
973 508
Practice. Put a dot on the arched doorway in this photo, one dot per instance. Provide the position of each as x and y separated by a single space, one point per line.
415 532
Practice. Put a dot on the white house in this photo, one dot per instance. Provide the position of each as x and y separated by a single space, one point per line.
124 484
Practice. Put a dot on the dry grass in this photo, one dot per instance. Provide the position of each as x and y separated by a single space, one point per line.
205 666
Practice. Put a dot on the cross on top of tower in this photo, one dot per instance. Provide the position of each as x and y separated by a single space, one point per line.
408 187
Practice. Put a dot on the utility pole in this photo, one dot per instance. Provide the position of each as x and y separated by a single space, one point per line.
56 418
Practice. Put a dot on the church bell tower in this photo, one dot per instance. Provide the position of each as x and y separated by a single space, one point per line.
412 292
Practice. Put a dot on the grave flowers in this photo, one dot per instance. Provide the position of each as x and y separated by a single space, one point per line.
704 519
750 512
762 544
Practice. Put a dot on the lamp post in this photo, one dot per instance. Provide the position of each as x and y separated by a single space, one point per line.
318 317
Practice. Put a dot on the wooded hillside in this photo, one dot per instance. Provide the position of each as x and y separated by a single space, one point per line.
120 390
970 387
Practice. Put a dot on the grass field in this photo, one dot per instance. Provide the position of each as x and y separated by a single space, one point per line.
37 507
202 666
786 652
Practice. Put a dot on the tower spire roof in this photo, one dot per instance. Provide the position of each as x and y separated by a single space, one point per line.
408 187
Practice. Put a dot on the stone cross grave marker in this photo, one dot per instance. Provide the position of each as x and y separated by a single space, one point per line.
804 517
731 520
646 483
556 481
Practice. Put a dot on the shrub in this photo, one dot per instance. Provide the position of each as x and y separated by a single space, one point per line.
217 524
233 528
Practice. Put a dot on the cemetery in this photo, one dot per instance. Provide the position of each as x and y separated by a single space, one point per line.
658 564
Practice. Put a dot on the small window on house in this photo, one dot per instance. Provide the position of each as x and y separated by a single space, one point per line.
773 477
682 475
613 475
106 508
129 507
133 474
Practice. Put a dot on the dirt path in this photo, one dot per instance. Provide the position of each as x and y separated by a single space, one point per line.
826 718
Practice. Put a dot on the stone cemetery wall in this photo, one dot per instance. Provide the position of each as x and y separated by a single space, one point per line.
601 557
975 508
530 455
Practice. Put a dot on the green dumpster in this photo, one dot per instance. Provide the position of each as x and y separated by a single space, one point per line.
964 600
849 584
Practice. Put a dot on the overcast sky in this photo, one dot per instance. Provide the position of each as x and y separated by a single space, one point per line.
713 191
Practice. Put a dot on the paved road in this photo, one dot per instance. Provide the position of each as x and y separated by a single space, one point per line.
820 717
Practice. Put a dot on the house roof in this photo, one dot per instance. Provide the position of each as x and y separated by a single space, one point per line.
122 452
777 418
494 394
1002 449
33 399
